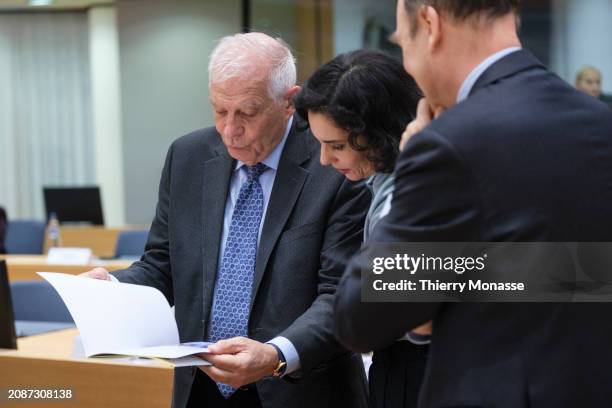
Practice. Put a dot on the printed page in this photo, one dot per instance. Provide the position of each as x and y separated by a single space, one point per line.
113 317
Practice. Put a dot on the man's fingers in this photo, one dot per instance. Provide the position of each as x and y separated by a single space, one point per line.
424 329
423 118
97 273
227 362
405 137
228 346
424 113
217 374
412 129
222 376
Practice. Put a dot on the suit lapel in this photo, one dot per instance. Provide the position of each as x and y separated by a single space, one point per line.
288 183
217 173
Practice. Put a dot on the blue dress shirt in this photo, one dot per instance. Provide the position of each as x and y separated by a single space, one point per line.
470 80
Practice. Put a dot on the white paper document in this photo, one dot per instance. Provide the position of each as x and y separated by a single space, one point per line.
125 319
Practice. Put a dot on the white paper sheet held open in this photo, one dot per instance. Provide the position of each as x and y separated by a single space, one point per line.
125 319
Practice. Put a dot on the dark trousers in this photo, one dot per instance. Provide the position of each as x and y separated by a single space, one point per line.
205 394
396 375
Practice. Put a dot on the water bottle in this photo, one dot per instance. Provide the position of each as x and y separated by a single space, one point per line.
53 231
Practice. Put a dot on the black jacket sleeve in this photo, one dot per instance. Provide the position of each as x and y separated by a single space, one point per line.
433 201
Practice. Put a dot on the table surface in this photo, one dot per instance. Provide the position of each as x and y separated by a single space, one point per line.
25 328
60 345
46 362
101 240
42 260
24 267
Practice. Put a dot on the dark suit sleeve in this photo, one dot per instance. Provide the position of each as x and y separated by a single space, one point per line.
2 230
312 333
153 269
434 200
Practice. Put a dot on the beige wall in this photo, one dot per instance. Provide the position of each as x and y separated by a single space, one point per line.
106 111
164 47
296 23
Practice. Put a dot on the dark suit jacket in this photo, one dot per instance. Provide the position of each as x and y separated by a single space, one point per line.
313 223
2 231
524 158
607 99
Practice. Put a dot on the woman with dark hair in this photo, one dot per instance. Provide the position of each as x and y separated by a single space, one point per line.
358 106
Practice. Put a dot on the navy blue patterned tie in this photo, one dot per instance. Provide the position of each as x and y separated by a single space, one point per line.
230 314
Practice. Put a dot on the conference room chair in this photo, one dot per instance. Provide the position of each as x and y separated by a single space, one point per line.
130 244
25 237
38 301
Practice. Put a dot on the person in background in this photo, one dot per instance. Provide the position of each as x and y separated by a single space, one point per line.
590 80
250 238
357 105
3 223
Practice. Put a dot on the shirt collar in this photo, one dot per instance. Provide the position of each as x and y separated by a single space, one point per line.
375 181
273 158
471 79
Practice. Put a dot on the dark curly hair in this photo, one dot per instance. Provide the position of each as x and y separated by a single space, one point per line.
368 94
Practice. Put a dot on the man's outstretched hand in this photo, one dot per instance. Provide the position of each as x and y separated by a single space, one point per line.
239 361
97 273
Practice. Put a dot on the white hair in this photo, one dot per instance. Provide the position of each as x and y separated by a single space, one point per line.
241 55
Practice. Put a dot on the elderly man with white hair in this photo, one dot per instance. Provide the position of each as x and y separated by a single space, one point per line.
249 242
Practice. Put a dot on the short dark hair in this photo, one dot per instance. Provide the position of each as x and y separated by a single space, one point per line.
463 9
367 93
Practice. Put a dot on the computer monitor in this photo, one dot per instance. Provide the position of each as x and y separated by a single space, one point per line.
8 338
74 204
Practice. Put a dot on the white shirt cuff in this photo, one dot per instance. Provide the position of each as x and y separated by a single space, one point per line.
418 339
292 358
112 278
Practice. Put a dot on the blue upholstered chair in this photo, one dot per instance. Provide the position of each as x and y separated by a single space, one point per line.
130 244
38 301
25 237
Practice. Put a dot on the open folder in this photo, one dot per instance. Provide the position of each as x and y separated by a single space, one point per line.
124 319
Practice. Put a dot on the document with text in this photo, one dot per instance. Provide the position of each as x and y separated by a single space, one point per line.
124 319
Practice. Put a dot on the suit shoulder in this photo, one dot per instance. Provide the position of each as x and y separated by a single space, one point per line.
202 140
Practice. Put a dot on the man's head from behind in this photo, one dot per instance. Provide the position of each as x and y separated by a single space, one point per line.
251 79
588 80
441 40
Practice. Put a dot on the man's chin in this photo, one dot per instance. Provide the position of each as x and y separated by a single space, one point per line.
245 156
